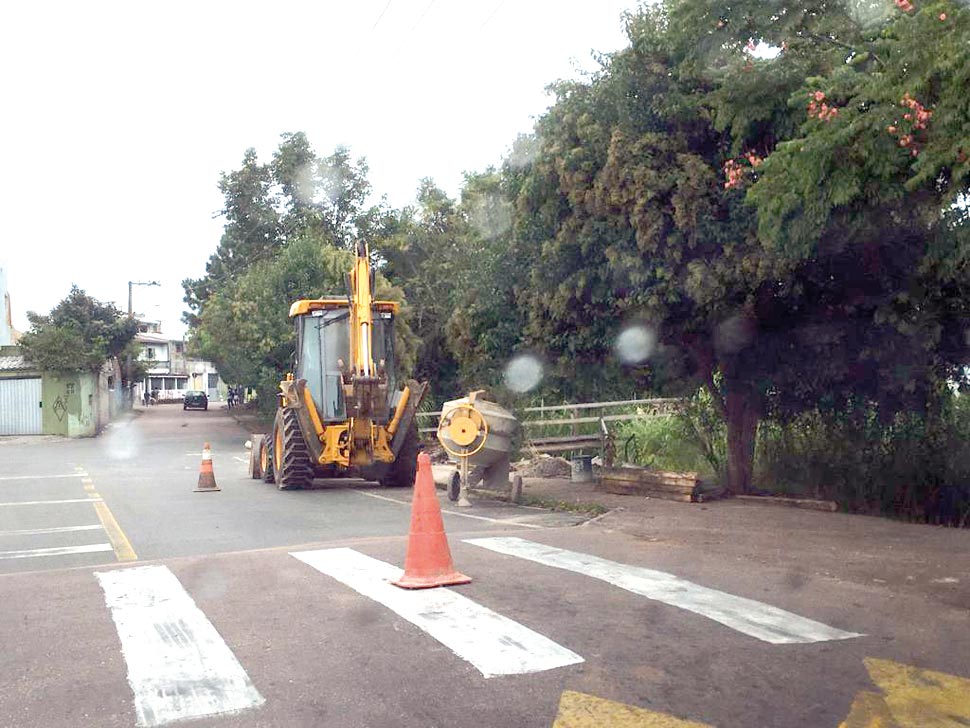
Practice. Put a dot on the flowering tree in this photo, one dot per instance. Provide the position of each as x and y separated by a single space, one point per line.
773 186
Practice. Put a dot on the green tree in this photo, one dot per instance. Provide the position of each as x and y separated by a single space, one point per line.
328 196
841 273
485 325
245 330
297 193
431 257
79 334
253 231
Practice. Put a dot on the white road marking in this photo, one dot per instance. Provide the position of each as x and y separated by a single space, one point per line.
748 616
56 551
40 477
242 460
503 521
492 643
57 529
46 502
178 665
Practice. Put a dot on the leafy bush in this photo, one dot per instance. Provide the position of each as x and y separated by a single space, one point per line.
694 439
914 467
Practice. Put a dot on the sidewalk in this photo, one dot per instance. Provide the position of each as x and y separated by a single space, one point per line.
914 558
249 418
908 557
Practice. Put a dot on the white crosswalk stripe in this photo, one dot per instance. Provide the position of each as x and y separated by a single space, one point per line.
91 548
748 616
492 643
178 665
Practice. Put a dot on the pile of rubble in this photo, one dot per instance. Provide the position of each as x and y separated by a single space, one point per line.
544 466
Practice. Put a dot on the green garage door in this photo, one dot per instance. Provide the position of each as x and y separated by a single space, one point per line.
20 412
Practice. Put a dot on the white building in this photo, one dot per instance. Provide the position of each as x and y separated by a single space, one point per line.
8 335
170 372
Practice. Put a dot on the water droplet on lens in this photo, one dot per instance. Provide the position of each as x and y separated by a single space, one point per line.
636 344
523 373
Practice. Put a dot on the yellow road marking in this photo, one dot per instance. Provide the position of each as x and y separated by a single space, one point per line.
120 543
869 710
921 698
578 710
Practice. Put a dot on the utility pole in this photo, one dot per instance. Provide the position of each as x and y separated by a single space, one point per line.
131 315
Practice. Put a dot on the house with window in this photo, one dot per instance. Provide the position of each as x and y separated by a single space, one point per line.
170 372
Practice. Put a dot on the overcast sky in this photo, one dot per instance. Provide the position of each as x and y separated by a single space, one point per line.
119 116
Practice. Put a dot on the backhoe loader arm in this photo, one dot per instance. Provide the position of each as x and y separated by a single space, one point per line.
364 380
361 315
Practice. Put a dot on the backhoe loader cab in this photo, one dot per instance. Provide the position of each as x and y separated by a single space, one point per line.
341 413
323 348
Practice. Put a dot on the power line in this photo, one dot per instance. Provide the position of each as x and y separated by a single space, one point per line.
491 15
415 26
381 16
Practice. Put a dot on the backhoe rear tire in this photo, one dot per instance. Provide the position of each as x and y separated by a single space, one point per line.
266 458
292 464
401 472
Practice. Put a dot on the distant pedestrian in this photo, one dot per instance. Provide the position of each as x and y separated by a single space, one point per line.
230 397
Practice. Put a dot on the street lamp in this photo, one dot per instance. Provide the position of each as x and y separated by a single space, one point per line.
130 315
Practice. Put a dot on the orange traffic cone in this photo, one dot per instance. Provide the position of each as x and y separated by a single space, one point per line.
428 562
207 479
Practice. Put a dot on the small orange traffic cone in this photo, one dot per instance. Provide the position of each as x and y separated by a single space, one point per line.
428 562
207 479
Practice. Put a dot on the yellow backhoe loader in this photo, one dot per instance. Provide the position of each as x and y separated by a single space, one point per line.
341 413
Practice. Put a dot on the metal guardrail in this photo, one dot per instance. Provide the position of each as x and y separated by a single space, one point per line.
577 441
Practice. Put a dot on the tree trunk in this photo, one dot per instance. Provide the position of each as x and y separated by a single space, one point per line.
742 413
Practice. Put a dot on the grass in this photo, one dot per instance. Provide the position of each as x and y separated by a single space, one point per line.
592 509
662 443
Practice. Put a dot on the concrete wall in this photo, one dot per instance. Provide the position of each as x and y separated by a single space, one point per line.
71 404
75 404
111 393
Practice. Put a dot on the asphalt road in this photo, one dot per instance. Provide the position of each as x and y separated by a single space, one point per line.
145 471
275 606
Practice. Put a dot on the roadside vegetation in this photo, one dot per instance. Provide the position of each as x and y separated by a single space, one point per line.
771 196
79 334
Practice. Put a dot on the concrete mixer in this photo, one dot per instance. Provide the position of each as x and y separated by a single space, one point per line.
477 435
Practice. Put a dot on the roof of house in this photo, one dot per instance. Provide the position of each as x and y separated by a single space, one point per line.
152 338
13 364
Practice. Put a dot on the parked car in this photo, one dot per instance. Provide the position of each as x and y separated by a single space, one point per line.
196 400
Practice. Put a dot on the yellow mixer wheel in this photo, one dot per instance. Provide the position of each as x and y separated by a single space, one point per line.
464 425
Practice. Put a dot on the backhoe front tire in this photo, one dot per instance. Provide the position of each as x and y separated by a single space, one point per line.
402 471
291 458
